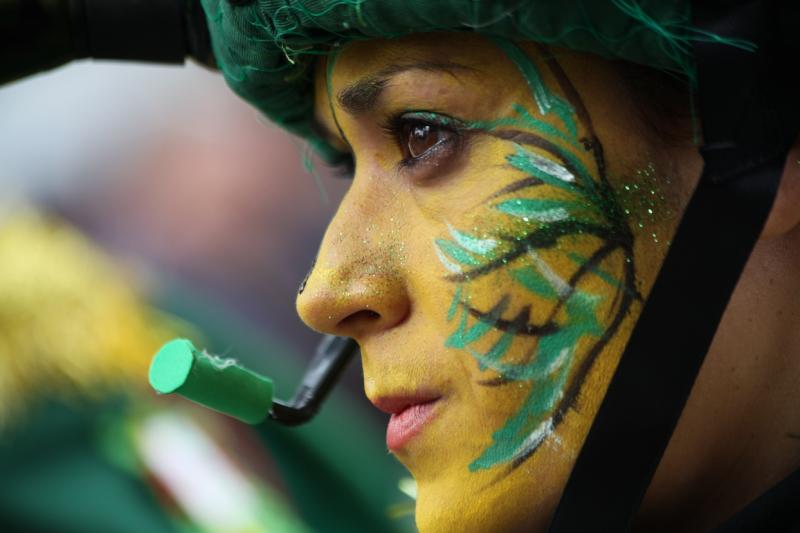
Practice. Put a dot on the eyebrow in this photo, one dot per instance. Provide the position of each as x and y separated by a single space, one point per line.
362 96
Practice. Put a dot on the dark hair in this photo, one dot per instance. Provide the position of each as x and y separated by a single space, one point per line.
664 101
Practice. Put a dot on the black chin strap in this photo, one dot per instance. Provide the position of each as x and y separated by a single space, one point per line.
749 123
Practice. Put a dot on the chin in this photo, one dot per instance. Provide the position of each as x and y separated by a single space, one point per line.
479 511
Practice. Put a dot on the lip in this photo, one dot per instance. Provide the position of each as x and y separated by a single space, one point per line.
410 414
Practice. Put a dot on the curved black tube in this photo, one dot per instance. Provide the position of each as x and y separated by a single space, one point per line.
330 360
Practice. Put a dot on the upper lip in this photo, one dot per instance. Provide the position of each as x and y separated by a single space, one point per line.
398 403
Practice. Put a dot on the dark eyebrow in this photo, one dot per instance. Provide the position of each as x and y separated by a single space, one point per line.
361 96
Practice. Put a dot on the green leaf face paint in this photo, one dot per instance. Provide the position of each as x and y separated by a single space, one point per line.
560 207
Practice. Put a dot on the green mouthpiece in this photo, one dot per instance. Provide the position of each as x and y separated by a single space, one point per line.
214 382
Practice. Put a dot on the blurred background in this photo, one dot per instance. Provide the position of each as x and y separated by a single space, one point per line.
139 203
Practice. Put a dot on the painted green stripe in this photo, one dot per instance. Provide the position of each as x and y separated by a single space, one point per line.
535 410
455 340
462 338
528 70
543 210
473 244
597 271
495 353
456 252
451 313
531 279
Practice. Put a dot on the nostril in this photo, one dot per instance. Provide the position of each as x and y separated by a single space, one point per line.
363 316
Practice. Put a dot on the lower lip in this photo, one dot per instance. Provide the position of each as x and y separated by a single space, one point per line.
403 426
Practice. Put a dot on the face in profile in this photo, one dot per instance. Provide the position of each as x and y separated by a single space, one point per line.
507 215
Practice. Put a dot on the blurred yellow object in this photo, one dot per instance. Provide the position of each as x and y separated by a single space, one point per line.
70 322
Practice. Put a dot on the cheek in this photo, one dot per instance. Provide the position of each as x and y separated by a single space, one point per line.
527 329
459 197
542 277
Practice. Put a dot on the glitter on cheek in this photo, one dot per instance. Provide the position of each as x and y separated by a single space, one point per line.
383 251
644 203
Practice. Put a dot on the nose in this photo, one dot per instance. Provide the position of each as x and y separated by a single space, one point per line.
356 287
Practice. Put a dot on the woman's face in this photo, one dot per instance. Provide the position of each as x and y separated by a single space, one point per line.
507 215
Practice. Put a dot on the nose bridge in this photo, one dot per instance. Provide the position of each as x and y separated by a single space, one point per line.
361 235
356 285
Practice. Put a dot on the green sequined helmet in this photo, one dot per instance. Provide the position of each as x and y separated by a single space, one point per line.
265 48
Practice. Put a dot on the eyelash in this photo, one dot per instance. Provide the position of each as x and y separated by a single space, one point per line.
342 166
345 167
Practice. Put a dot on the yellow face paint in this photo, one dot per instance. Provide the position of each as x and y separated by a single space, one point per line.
484 260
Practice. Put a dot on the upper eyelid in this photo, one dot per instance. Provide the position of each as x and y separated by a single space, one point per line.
433 117
393 124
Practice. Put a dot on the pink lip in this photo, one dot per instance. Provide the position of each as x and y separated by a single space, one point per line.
409 416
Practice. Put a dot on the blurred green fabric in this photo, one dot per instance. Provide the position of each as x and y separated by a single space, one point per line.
60 474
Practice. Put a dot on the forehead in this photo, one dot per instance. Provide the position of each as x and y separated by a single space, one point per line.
489 84
427 65
473 50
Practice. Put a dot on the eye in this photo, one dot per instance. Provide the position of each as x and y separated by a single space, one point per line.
420 137
426 138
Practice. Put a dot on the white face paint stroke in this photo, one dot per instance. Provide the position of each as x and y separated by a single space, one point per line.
562 287
559 361
550 167
518 209
552 215
449 265
536 437
473 244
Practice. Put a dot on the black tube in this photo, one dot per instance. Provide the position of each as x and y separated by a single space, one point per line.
324 371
